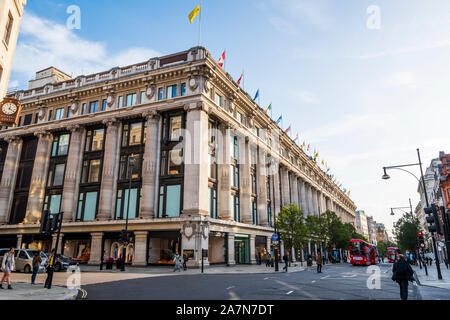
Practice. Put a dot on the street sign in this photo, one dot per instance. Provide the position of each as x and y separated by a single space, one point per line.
274 237
275 241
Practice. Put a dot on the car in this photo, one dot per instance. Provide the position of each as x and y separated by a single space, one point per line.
23 259
62 262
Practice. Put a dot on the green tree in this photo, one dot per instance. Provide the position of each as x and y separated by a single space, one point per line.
291 226
405 231
383 245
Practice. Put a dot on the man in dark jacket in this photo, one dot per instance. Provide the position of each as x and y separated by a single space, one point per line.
402 273
286 261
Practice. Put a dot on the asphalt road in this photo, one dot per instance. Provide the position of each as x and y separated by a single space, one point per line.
336 282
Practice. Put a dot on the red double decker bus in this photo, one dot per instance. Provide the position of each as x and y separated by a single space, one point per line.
392 253
362 253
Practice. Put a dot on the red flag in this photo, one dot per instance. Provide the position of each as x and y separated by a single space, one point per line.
240 79
222 59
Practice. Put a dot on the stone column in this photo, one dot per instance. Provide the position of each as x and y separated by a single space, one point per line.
285 186
293 255
268 246
252 249
275 188
224 174
245 187
72 175
19 241
281 249
309 198
39 178
195 199
8 182
54 237
150 167
230 252
107 195
140 248
294 189
261 185
96 248
314 201
303 204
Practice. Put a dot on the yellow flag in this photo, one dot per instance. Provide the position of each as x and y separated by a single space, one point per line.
194 13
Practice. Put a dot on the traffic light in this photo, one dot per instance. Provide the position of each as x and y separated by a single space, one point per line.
433 219
420 239
125 237
45 223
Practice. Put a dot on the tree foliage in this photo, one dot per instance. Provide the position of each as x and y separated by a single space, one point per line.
405 231
291 226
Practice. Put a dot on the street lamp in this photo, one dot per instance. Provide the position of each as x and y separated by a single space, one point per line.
131 164
399 167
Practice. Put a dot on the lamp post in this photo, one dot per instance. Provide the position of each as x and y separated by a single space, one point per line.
131 164
399 167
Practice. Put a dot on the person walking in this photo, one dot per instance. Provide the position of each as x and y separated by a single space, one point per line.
185 260
269 259
8 265
319 262
37 260
286 261
176 259
402 273
446 262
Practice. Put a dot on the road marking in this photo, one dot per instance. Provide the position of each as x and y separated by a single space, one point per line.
290 292
230 287
233 296
313 281
325 277
266 278
297 288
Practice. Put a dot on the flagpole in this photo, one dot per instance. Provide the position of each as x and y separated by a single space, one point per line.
200 24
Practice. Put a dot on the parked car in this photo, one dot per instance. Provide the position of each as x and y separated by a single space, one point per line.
62 262
24 259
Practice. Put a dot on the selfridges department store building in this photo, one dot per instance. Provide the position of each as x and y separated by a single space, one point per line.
211 169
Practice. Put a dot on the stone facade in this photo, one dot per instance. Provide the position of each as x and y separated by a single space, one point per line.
11 12
208 173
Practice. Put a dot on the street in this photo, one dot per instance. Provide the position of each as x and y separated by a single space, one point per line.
336 282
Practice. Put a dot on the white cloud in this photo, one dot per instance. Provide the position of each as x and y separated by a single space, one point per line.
348 124
402 79
307 97
45 43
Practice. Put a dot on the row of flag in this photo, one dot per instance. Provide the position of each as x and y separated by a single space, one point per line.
303 146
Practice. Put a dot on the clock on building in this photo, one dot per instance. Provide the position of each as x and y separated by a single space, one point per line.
10 110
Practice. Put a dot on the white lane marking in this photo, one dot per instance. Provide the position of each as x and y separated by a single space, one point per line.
297 289
233 296
313 281
290 292
230 287
266 278
325 277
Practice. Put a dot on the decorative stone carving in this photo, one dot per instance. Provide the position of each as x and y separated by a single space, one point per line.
42 113
74 106
110 99
42 134
110 122
12 139
207 86
193 83
150 92
150 114
73 127
188 229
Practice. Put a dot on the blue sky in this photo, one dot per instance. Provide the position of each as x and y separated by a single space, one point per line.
358 95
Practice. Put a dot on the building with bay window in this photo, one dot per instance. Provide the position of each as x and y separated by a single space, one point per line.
208 170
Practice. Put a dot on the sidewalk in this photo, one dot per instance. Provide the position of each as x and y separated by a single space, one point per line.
432 279
25 291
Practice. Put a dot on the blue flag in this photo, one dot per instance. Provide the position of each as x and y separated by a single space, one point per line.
279 119
256 96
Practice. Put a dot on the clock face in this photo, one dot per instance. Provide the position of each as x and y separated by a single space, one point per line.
9 108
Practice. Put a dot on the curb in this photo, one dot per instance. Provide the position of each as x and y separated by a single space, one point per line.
68 296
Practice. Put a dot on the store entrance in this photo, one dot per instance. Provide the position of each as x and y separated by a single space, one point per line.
241 250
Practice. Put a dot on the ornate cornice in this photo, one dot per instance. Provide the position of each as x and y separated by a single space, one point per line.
111 122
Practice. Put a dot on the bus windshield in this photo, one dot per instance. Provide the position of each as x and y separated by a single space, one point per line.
357 249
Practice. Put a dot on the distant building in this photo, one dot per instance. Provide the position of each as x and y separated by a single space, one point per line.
372 230
361 223
381 233
445 178
11 12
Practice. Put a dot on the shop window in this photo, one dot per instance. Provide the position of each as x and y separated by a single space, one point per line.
60 145
27 119
170 201
52 203
95 140
124 169
122 204
213 203
255 212
120 102
175 128
183 89
104 104
235 208
142 98
160 93
87 206
84 109
171 92
8 29
91 171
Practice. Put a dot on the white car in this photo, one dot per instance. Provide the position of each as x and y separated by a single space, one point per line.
24 259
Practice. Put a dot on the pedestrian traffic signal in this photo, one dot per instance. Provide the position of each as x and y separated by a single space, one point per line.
45 223
433 219
125 237
420 239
